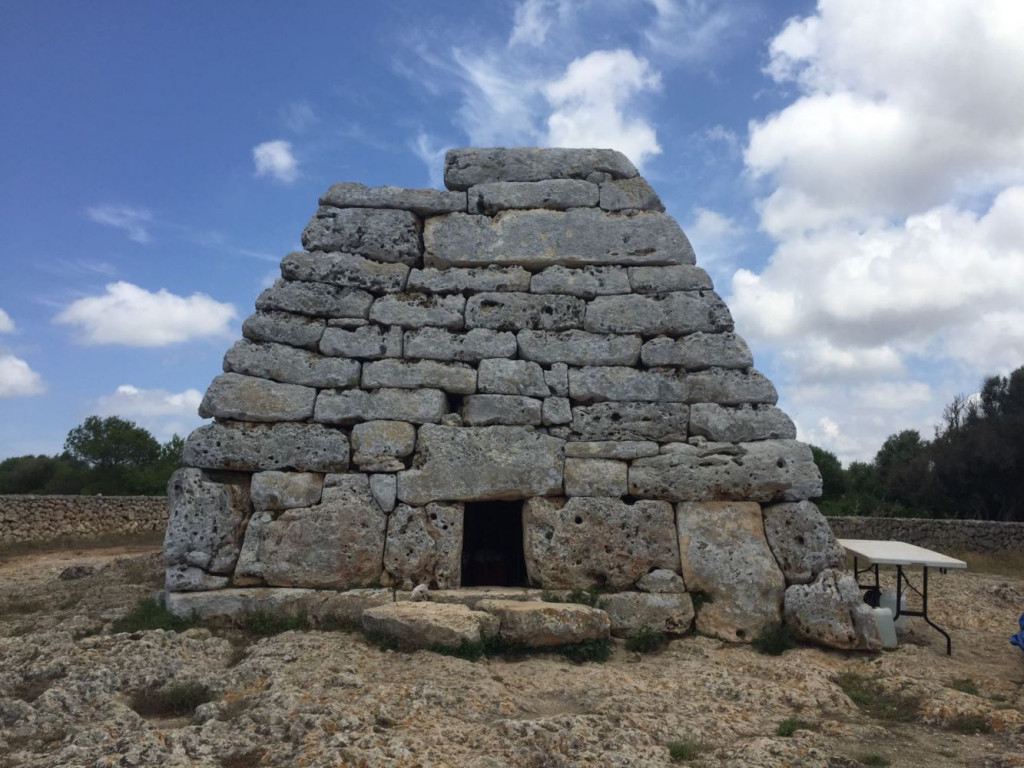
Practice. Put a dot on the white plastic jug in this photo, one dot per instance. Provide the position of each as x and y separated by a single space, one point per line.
888 600
883 620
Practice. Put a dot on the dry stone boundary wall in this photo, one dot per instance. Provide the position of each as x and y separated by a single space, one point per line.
25 518
977 536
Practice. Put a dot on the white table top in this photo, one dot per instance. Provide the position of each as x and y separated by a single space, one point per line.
898 553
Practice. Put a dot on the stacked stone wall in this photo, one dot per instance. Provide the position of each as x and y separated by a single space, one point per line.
979 536
44 518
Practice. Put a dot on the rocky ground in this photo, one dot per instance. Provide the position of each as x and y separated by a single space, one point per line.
70 688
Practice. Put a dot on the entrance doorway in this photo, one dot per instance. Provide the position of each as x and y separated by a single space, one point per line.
492 545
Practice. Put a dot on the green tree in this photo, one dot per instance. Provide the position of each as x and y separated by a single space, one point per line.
833 479
112 442
904 472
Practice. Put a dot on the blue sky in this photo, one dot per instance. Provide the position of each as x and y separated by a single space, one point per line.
851 174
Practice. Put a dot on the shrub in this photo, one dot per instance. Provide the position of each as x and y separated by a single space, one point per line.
774 640
149 614
686 748
260 624
791 725
970 723
965 685
646 641
870 695
588 650
873 760
175 700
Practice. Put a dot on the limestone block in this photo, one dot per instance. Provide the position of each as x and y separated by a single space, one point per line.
346 608
470 596
429 625
681 277
384 488
187 578
368 341
697 351
661 581
416 310
742 424
248 398
730 387
801 540
425 202
347 323
207 517
475 345
255 447
455 280
558 379
515 311
380 446
831 612
457 378
382 235
586 282
765 471
537 239
659 385
288 365
350 406
630 195
465 167
488 410
577 347
236 604
249 568
501 376
724 554
285 328
537 624
480 464
677 313
315 299
663 422
424 546
584 543
273 490
556 410
595 477
612 449
345 269
552 194
632 613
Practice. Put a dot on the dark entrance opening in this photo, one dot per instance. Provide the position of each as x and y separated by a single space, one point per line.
492 545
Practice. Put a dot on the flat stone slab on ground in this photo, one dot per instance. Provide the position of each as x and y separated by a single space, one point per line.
429 625
547 625
633 613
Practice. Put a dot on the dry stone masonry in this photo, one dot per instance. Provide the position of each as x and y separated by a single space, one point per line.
522 382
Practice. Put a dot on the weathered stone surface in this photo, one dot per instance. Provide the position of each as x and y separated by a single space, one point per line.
552 194
801 540
425 202
741 424
537 624
424 546
612 449
632 613
382 235
472 346
274 490
345 269
661 581
285 328
675 313
466 167
697 351
730 387
558 379
368 341
586 282
379 446
482 463
289 365
315 299
458 378
595 477
415 310
556 410
476 280
236 604
350 406
500 376
429 625
831 612
488 410
577 347
663 422
630 195
538 239
770 470
346 608
724 554
255 447
681 277
248 398
470 596
657 385
384 489
559 541
515 311
208 511
187 578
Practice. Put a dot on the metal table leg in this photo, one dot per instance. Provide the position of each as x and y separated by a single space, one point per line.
923 613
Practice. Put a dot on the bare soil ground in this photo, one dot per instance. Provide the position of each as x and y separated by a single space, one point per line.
71 690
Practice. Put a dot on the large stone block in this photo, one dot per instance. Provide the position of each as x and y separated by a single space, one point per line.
289 365
367 341
235 604
208 511
662 422
831 612
315 299
801 540
595 477
380 446
556 411
584 543
425 202
611 449
345 269
429 625
630 195
275 491
577 347
552 194
676 314
500 376
382 235
247 398
681 277
468 166
600 383
489 410
515 311
255 447
481 463
742 424
472 346
536 624
586 282
538 239
474 280
698 351
457 378
424 546
724 554
416 310
350 406
730 387
766 471
634 613
285 328
187 578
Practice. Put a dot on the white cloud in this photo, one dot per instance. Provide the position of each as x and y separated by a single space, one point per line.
6 324
275 158
500 99
531 23
431 152
161 412
17 378
298 116
715 237
133 221
130 315
690 30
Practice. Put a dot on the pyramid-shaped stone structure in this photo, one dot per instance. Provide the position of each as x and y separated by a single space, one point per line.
523 381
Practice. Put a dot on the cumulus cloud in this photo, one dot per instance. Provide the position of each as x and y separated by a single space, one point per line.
134 221
161 412
275 159
6 324
714 236
130 315
17 378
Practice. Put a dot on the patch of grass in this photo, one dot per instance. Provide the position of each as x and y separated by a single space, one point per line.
1009 564
22 608
509 650
149 614
964 685
646 641
144 539
870 695
791 725
589 650
466 650
260 624
970 723
774 640
686 749
873 760
579 596
175 700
